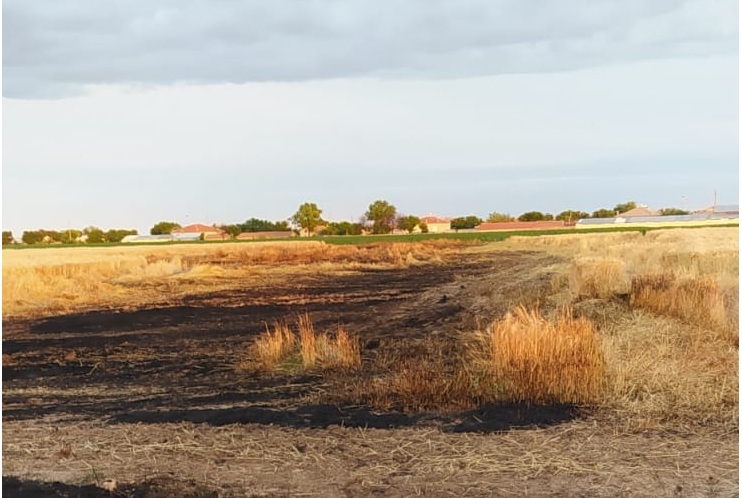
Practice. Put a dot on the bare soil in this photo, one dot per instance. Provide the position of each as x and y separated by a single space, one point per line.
153 399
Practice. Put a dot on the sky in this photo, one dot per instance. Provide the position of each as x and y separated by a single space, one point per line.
123 114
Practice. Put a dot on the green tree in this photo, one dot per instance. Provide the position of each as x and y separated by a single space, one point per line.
626 206
308 217
382 214
465 222
116 235
496 217
571 215
342 228
532 216
256 225
32 237
604 213
164 228
233 230
423 227
95 235
70 236
672 211
7 237
408 223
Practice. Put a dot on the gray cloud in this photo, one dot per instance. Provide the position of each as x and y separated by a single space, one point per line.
52 49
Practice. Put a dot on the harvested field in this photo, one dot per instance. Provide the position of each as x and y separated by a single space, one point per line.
151 377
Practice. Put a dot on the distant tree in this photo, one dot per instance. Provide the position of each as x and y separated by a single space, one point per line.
116 235
464 223
408 223
496 217
70 236
32 237
308 217
570 215
164 228
95 235
423 227
256 225
604 213
532 216
382 214
548 217
342 228
232 230
626 206
7 237
672 211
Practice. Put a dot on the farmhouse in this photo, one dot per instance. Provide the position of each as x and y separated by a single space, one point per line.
639 211
200 228
436 224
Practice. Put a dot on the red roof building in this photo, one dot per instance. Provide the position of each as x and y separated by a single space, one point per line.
198 228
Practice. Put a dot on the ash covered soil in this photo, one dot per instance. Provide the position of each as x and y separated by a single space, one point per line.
153 399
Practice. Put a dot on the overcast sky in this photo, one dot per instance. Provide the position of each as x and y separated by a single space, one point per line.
122 114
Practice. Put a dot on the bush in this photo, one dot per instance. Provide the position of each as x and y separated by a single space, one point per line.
532 360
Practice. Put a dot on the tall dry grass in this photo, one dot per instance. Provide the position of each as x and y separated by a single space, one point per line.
692 275
270 348
538 361
307 341
599 278
697 300
339 351
671 355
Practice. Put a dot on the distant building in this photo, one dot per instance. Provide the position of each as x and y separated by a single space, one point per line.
520 225
639 211
436 224
199 229
265 235
721 209
147 238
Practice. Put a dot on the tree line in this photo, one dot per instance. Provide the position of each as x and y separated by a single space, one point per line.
91 235
381 217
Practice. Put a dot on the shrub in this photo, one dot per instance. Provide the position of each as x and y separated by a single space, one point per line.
536 361
273 346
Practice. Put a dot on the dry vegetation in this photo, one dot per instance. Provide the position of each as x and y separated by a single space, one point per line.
274 349
535 360
667 308
41 282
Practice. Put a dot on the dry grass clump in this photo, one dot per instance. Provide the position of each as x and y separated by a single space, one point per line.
271 347
534 360
325 351
307 341
697 300
341 351
597 277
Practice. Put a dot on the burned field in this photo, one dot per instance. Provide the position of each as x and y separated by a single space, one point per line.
188 353
163 396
